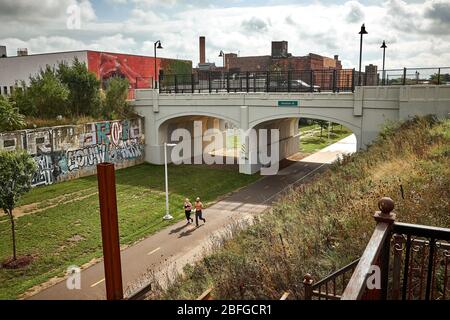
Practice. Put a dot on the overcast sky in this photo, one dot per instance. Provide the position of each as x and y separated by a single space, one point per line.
417 32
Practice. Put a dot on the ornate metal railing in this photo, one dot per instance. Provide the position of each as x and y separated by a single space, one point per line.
416 268
420 268
330 287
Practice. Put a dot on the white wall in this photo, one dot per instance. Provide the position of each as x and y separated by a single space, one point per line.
14 69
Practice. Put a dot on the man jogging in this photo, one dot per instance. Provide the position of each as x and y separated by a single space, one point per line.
198 211
187 210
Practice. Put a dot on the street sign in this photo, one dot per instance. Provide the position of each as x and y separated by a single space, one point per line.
287 103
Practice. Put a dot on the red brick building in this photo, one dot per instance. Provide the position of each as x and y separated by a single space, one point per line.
280 60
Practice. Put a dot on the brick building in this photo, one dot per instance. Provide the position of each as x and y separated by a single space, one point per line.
280 60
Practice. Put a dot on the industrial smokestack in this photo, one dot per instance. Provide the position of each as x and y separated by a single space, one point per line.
202 49
3 52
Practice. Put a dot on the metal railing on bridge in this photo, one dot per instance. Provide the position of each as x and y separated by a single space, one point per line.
330 80
324 80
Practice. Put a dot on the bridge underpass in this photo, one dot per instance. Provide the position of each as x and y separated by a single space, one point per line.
364 111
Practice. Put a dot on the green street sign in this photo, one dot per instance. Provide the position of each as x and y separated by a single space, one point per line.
288 103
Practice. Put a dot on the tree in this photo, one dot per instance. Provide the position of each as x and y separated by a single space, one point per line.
20 98
116 104
322 124
83 88
47 94
16 171
443 78
10 118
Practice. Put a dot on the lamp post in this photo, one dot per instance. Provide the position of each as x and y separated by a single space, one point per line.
167 215
157 45
363 31
222 54
384 46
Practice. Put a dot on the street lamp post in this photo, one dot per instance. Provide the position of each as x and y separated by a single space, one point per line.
384 46
222 54
167 215
363 31
157 45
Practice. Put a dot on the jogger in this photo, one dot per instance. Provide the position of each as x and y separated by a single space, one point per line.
187 210
198 211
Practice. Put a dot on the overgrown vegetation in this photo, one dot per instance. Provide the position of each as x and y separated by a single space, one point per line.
10 118
326 224
68 93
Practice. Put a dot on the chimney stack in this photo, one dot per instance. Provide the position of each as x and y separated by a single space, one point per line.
3 52
202 49
336 57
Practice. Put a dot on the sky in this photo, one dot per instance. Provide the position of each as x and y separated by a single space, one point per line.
417 33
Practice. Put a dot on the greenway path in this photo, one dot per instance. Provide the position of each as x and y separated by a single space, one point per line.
167 251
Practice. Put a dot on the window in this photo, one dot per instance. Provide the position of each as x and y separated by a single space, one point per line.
5 90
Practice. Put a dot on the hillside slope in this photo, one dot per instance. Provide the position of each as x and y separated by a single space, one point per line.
326 224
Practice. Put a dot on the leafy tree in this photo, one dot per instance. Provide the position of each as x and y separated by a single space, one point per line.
323 124
116 104
443 78
47 94
16 171
10 118
83 88
20 98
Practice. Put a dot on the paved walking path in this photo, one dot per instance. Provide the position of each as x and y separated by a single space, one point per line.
171 248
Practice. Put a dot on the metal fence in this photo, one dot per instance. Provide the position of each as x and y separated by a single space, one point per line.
327 80
260 81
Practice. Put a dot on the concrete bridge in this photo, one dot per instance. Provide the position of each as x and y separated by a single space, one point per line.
364 111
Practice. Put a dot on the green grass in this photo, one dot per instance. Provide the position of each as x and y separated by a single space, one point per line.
314 142
141 206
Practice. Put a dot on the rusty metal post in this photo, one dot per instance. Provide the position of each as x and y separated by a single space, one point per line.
110 230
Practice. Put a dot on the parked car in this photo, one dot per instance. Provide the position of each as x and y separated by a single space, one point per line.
296 85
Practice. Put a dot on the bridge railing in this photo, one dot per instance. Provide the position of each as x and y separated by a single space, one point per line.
329 80
414 76
324 80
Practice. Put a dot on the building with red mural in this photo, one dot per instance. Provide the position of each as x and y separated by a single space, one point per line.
139 70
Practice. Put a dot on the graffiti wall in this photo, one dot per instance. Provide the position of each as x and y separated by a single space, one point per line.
68 152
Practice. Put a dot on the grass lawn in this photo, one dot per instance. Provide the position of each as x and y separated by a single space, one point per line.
312 141
64 230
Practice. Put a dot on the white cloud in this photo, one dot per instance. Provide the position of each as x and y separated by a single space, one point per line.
416 33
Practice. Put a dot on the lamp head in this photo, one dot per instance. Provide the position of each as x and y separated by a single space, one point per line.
158 43
384 46
221 53
363 29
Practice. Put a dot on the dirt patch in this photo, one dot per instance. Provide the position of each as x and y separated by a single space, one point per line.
51 203
75 238
18 263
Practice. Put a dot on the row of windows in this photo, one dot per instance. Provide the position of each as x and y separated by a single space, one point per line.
4 90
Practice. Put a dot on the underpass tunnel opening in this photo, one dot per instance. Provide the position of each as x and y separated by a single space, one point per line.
200 139
298 138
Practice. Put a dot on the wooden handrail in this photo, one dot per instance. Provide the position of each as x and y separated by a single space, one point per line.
357 284
356 287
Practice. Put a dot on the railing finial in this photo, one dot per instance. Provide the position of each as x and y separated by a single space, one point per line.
386 205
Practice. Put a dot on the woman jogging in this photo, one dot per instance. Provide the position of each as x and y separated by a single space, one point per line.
198 211
187 210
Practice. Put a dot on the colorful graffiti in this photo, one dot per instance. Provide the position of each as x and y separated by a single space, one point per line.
68 152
